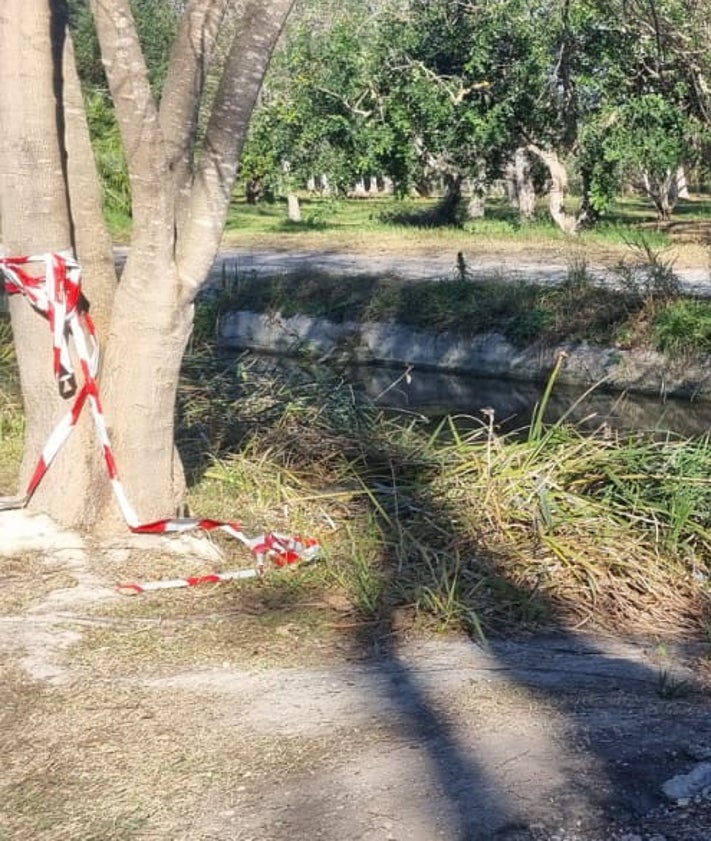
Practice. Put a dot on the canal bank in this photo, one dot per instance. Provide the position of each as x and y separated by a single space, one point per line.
638 371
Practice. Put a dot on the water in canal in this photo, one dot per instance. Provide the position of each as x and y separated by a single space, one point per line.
435 395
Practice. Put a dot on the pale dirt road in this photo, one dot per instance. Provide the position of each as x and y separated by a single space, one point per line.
695 280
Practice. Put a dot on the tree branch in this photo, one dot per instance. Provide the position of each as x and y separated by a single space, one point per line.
185 82
126 71
259 29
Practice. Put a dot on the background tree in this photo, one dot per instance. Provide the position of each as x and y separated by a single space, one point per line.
316 116
647 88
180 191
452 92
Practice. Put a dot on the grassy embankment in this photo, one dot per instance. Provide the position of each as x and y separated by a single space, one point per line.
645 309
475 530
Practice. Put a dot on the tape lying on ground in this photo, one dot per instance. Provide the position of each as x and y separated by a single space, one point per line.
57 296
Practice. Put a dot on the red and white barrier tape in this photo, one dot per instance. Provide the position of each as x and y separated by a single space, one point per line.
57 295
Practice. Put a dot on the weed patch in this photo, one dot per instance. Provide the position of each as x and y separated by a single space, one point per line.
576 310
683 327
472 529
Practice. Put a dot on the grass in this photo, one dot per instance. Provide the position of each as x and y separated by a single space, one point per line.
673 688
684 327
460 529
471 530
386 224
641 310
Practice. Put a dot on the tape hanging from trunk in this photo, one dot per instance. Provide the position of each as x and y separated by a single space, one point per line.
57 296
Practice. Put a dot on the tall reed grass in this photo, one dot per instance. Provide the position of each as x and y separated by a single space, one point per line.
465 527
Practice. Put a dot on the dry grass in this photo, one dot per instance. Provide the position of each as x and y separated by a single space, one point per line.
106 761
491 533
28 578
288 615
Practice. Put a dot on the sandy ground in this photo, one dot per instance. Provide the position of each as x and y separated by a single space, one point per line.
537 267
113 727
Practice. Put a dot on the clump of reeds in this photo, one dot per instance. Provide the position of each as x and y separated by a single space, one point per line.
474 528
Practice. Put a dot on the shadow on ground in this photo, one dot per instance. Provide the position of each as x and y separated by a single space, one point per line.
560 735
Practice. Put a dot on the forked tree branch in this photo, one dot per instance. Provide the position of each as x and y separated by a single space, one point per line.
126 72
259 27
185 82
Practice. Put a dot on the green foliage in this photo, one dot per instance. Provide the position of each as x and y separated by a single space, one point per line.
465 528
684 327
315 115
652 135
156 23
438 90
644 140
108 153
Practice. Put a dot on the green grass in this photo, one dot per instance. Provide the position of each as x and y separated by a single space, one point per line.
460 527
684 327
467 529
410 217
526 313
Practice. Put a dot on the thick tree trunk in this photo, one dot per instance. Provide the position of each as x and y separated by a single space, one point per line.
38 165
519 183
180 206
149 331
49 200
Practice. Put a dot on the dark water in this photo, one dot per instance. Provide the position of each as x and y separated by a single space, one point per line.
435 395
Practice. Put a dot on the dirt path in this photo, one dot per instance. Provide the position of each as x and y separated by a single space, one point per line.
531 267
129 719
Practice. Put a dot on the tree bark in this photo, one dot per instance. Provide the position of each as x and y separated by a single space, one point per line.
180 209
49 200
43 138
558 190
520 187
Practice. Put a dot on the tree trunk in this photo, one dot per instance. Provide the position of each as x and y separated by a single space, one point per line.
293 207
663 192
682 186
519 182
38 167
149 331
49 201
558 189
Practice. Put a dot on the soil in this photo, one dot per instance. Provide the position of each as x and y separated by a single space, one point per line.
195 715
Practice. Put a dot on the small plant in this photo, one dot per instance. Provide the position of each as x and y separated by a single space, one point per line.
672 688
527 327
683 327
650 274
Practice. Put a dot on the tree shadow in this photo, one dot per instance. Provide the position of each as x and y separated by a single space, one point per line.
577 675
603 693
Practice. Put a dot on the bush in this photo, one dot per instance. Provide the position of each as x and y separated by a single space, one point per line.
683 327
